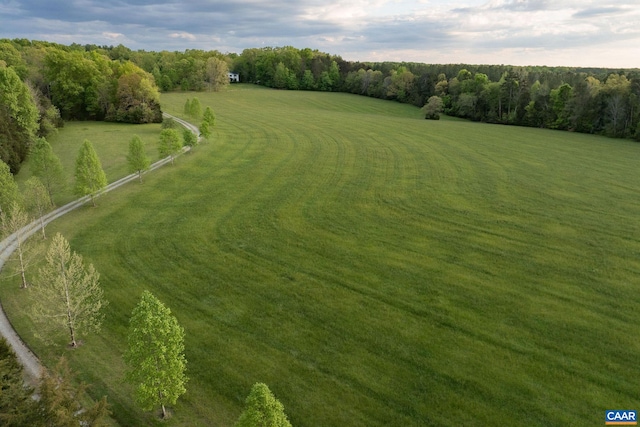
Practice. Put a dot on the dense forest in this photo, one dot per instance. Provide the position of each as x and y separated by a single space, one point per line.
585 100
42 84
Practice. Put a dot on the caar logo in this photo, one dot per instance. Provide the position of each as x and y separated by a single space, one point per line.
620 418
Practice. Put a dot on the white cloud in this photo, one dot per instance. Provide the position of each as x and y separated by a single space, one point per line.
544 32
183 35
114 36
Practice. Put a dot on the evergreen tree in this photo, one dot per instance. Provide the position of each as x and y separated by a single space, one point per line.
155 354
60 403
17 408
90 178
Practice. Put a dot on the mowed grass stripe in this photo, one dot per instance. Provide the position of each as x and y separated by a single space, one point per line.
378 269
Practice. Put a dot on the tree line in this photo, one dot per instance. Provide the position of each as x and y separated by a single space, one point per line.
43 83
588 100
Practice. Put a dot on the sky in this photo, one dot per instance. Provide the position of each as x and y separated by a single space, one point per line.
581 33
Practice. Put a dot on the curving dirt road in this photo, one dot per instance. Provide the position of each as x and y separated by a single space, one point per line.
28 359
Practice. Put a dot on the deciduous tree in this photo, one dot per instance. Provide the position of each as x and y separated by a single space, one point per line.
205 130
12 222
189 138
170 143
209 116
74 79
195 109
155 354
433 108
187 107
169 123
67 295
37 201
217 73
46 166
18 118
90 178
8 188
262 409
137 158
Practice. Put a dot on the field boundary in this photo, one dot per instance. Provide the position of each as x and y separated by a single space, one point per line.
26 357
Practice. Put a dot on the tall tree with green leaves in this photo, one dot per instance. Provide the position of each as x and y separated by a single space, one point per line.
67 295
37 201
189 138
90 177
155 354
170 143
13 221
169 123
205 130
433 108
195 109
137 98
209 116
18 118
217 73
46 166
262 409
8 188
137 158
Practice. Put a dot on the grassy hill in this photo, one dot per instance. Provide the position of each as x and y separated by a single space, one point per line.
374 268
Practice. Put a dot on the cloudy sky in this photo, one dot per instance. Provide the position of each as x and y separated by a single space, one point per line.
518 32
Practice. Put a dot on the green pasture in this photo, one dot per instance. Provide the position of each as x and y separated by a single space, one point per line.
373 268
111 142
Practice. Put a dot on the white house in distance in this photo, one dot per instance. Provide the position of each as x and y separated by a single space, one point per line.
234 77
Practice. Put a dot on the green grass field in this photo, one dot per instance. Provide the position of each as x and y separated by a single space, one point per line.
111 142
373 268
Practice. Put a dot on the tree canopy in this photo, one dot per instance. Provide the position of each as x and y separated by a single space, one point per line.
18 118
155 354
67 295
90 178
8 188
170 143
137 158
17 408
262 409
47 166
81 82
